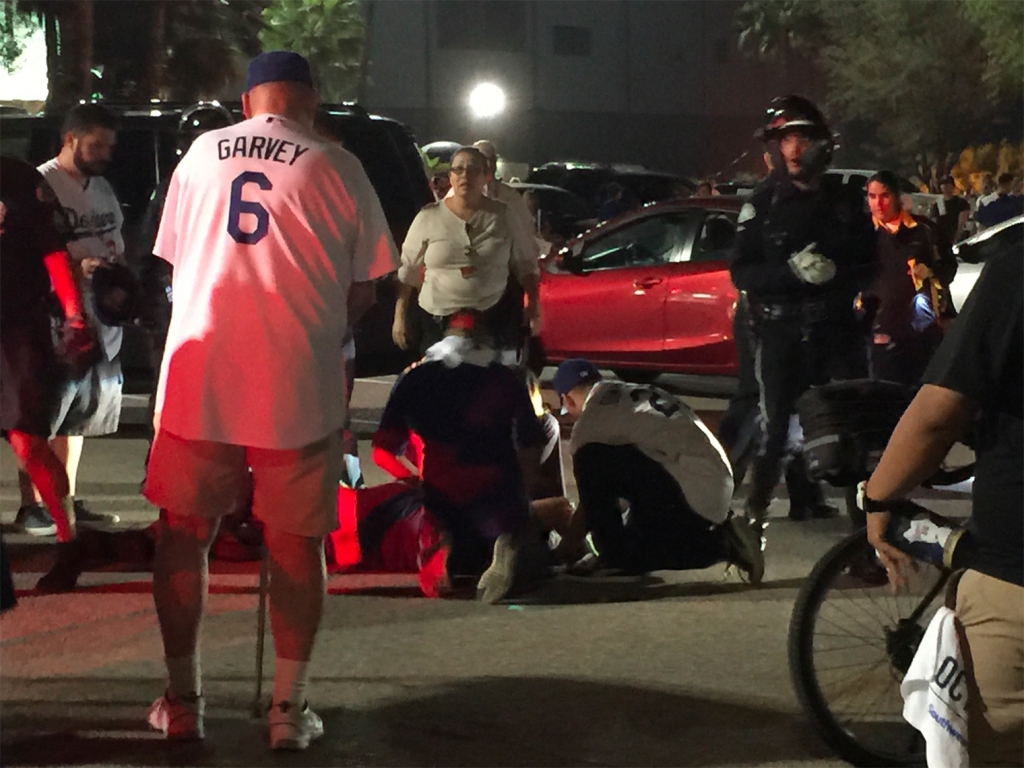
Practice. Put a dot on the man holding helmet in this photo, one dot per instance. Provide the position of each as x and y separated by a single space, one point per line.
802 254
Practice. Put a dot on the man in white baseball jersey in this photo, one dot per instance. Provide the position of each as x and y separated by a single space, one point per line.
272 234
90 406
646 448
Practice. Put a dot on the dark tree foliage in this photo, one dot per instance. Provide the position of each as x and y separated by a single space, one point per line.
911 82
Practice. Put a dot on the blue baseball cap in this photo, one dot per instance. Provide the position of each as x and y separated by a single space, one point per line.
574 373
278 67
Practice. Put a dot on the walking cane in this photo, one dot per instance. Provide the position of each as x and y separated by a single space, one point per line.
261 625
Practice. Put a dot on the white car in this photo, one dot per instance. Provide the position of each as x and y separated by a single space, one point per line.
919 202
973 252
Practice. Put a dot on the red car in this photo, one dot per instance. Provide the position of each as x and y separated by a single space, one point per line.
648 292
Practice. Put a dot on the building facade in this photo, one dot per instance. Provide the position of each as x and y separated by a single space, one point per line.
660 83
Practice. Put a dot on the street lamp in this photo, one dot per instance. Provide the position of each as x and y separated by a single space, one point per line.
487 100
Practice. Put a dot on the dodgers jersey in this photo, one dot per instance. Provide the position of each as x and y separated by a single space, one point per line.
665 429
267 226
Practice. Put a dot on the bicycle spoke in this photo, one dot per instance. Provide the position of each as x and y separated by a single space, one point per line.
866 612
870 631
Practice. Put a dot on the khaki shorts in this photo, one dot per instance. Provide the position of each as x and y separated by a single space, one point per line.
294 491
991 614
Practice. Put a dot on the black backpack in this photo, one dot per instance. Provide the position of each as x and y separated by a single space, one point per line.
847 425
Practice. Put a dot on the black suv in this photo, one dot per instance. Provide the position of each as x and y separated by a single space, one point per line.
591 180
146 153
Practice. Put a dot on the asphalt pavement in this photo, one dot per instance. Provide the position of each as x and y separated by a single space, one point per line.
678 668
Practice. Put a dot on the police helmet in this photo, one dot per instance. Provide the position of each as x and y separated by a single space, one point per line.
200 118
796 113
117 295
787 113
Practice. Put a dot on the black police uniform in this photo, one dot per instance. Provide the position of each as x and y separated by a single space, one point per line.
804 334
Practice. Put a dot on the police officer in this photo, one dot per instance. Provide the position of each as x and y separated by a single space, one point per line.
154 272
803 252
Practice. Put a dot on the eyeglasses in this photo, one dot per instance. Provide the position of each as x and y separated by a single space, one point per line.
466 170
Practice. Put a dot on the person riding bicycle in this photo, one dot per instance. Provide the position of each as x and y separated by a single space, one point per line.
977 375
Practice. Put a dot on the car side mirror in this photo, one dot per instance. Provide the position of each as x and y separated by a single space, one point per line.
571 258
571 262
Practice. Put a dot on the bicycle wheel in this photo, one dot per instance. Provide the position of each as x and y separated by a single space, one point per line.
851 641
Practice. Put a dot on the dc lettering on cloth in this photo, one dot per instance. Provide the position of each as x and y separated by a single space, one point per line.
935 693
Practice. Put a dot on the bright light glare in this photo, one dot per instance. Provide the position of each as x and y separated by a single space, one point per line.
28 81
487 100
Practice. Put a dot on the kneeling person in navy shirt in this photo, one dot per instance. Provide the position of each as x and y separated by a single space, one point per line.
654 483
481 438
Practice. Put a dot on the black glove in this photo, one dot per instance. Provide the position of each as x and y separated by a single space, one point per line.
77 347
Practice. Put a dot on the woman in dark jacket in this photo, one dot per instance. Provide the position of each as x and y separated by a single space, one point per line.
909 299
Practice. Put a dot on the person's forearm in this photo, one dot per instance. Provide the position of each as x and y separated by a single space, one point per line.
935 420
530 283
402 299
529 465
58 265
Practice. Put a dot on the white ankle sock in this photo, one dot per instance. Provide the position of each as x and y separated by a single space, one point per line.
290 679
183 676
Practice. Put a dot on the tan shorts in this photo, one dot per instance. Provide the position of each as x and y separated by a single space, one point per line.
991 614
294 491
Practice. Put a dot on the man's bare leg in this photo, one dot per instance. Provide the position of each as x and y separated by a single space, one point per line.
297 584
46 472
180 577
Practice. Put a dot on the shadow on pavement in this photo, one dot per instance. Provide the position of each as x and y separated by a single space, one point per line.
481 721
580 591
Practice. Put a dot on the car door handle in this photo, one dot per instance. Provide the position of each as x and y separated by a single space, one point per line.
647 282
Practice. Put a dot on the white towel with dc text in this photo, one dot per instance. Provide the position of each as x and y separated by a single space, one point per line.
935 693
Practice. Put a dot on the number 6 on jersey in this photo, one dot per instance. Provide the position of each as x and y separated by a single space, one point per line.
240 206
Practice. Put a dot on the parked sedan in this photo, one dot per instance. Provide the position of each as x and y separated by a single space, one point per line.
648 292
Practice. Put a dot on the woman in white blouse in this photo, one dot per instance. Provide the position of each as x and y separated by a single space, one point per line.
459 254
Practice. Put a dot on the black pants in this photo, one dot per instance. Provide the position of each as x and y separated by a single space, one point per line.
474 526
661 531
904 360
789 358
740 429
504 321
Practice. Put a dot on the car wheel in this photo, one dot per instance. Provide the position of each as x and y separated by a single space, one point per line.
634 376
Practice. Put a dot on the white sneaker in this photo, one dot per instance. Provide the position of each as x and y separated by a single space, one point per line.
179 719
496 582
745 548
293 728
